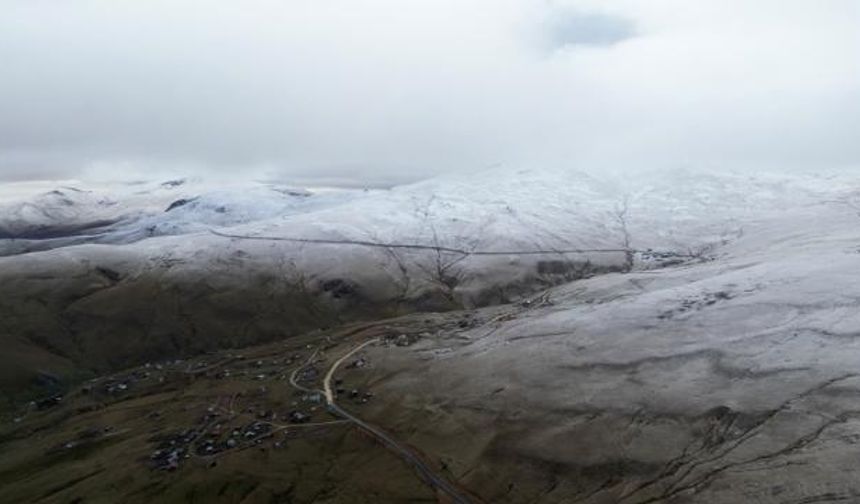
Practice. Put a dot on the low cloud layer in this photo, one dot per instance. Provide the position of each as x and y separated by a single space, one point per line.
383 91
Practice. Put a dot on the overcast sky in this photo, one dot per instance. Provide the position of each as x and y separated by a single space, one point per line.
392 90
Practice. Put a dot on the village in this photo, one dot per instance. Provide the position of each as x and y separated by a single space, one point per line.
266 412
261 399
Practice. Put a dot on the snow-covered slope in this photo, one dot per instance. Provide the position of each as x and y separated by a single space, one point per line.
96 278
732 380
73 213
493 210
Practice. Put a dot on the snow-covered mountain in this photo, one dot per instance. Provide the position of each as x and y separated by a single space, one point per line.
726 381
73 213
705 353
103 276
494 209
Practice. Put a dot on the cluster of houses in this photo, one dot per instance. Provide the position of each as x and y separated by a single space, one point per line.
214 432
205 442
402 340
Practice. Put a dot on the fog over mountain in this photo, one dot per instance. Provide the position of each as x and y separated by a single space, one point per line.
452 251
385 91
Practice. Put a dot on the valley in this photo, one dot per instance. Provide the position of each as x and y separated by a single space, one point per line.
718 376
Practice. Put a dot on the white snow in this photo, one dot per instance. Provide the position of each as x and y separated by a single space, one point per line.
498 210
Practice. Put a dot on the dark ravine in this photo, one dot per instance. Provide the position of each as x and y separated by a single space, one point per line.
48 232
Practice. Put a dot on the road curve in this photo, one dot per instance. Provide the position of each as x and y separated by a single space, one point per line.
329 395
293 381
427 473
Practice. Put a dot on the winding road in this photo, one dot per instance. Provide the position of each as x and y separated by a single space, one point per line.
427 473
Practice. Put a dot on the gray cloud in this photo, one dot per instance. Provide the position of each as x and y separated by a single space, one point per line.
385 90
570 28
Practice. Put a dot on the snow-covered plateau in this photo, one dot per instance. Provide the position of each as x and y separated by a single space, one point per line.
669 337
